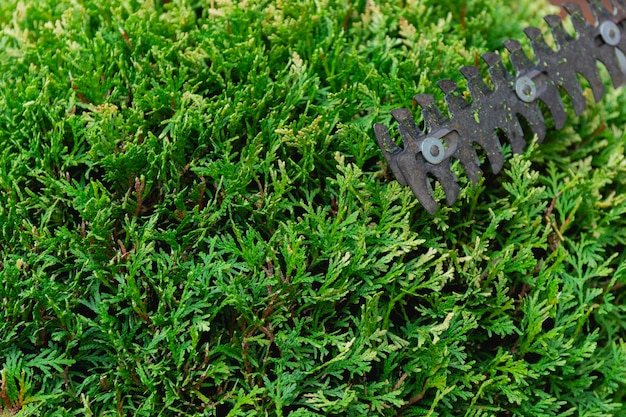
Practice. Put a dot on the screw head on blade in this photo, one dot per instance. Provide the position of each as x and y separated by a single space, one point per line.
610 33
433 150
526 89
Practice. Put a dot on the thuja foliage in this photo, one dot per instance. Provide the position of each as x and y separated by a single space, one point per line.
195 220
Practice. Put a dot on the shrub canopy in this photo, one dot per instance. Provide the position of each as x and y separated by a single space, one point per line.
195 220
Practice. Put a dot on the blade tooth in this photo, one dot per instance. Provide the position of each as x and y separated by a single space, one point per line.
561 37
570 64
573 8
449 182
483 135
512 128
497 71
536 122
612 63
598 11
533 33
421 187
447 86
383 137
567 79
619 10
408 129
414 170
538 42
390 151
424 192
433 117
592 75
496 159
469 72
554 102
417 170
477 87
469 159
454 98
619 6
405 119
581 25
518 57
491 58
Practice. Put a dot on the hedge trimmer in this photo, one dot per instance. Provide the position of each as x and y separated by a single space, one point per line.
499 111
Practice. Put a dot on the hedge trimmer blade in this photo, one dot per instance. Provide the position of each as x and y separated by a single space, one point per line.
496 112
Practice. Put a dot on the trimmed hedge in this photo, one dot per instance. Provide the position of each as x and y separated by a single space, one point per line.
195 219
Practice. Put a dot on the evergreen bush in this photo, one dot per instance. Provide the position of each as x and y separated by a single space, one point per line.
195 219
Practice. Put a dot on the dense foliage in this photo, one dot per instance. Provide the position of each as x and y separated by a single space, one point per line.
195 220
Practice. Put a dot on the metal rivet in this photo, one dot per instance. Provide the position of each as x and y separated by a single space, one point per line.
526 89
433 150
610 33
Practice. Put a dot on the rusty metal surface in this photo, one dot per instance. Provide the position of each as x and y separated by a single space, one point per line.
583 5
496 112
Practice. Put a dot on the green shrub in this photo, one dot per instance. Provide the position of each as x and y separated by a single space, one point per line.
195 220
